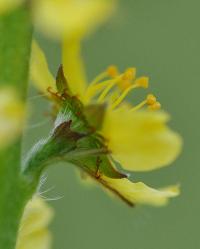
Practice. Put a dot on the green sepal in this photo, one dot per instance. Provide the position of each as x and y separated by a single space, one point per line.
95 114
61 81
60 141
73 139
64 144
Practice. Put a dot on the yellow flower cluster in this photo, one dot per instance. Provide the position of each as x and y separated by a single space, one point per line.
11 116
33 231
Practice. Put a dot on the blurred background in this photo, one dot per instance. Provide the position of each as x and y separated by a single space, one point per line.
161 39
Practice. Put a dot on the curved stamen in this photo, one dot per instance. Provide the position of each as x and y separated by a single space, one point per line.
98 78
112 83
112 71
123 95
142 82
139 106
93 90
151 101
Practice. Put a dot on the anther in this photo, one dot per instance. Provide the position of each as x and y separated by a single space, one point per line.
129 74
112 71
142 82
151 99
127 77
155 106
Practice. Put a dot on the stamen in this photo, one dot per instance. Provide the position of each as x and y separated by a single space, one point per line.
112 71
142 82
156 106
127 78
95 86
123 95
93 90
124 84
151 99
129 74
108 88
98 78
139 106
114 96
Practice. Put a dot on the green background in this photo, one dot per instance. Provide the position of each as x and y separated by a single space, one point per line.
161 38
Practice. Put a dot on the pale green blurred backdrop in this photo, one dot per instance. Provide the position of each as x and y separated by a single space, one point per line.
162 39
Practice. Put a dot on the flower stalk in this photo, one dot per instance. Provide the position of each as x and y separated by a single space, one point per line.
15 43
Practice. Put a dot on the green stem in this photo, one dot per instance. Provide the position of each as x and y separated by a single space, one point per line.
15 43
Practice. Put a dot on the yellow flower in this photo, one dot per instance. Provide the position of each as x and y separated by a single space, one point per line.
59 18
138 138
6 5
33 231
11 116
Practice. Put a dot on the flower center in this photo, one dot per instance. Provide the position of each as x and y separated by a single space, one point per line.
112 87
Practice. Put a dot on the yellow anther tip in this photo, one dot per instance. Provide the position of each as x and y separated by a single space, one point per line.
155 106
151 99
129 74
142 82
112 71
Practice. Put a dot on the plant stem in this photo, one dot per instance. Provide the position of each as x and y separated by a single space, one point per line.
15 43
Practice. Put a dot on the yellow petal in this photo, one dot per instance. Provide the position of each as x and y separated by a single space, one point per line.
11 116
37 215
73 66
33 233
139 193
141 140
6 5
58 18
37 240
39 71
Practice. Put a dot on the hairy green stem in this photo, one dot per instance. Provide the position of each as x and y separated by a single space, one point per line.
15 43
